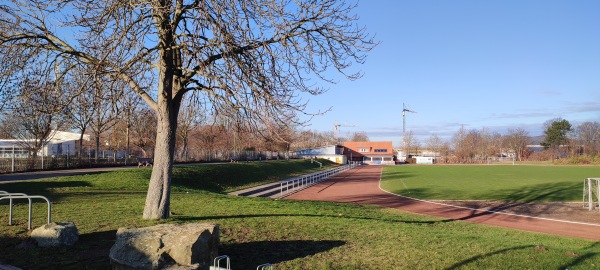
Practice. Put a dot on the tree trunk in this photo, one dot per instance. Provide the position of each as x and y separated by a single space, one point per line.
97 134
81 143
167 110
159 190
128 142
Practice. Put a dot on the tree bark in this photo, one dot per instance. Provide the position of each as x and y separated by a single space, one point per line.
81 143
169 100
159 192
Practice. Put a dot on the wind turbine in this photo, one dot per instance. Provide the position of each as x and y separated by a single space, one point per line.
404 110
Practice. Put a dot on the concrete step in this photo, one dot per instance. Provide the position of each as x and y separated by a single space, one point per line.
257 190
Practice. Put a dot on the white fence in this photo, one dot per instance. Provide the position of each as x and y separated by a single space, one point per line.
296 184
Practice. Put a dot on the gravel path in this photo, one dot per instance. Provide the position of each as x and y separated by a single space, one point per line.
361 186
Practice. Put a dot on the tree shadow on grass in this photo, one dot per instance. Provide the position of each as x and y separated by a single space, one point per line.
579 259
251 254
187 219
549 192
473 259
90 252
42 188
518 197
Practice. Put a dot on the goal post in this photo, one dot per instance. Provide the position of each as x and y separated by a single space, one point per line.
591 193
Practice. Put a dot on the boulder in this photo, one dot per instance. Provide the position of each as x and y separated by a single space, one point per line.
165 246
56 234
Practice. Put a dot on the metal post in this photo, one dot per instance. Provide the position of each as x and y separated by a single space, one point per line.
590 194
13 159
584 192
29 223
10 211
598 191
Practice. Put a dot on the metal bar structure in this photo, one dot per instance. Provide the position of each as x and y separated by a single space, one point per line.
10 208
217 263
15 196
591 193
302 182
265 266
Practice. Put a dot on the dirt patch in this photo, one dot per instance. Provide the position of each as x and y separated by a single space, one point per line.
554 210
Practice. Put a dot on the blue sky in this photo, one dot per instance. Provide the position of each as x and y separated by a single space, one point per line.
481 64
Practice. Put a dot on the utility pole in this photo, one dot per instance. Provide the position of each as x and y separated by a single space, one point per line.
404 146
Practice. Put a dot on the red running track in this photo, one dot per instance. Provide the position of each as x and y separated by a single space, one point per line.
361 185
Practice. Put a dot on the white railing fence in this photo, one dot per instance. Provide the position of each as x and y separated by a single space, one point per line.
298 183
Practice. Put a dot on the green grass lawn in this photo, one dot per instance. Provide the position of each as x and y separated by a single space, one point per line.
482 182
289 234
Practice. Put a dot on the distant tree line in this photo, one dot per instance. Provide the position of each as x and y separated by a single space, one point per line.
561 141
122 123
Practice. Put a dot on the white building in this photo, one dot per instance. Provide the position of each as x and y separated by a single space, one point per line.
333 153
60 143
424 160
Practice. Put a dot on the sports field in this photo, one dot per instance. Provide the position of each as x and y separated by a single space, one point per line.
489 182
288 233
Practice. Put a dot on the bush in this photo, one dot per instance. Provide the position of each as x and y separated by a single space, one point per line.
541 156
579 160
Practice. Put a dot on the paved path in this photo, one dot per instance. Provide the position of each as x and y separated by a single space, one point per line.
361 185
12 177
45 174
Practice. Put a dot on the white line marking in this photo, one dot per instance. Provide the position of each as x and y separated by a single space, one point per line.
481 210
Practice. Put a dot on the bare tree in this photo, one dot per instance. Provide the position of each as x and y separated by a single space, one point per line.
143 131
466 145
516 140
311 138
80 111
104 109
208 139
190 116
249 57
128 106
435 144
360 136
31 119
412 145
588 135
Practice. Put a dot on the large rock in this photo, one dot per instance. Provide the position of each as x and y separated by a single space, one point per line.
161 246
56 234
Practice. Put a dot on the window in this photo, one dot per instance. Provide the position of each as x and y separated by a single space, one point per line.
363 150
380 150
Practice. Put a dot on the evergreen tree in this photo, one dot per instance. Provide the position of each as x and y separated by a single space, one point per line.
556 133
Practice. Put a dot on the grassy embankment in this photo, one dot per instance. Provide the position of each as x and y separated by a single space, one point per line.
290 234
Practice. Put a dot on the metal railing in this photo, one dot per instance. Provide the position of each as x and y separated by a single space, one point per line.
265 266
15 196
298 183
217 264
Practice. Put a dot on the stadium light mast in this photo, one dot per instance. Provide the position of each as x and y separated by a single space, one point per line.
404 146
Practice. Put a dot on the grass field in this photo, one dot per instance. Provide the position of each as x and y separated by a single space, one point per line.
501 183
290 234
